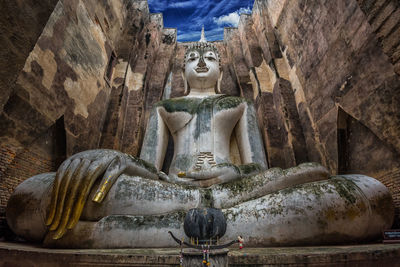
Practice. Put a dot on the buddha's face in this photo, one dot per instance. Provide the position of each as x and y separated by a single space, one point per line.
202 68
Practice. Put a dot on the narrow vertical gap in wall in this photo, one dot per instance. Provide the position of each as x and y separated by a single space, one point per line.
342 140
110 68
60 142
169 154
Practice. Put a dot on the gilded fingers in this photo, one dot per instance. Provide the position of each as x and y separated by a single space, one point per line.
62 193
55 191
74 181
93 172
72 194
76 184
116 167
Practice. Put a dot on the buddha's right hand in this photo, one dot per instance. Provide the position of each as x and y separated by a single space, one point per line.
75 178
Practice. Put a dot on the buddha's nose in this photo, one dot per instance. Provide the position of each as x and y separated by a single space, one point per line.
201 63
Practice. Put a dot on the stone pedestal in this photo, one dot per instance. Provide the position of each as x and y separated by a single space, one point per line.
371 255
194 258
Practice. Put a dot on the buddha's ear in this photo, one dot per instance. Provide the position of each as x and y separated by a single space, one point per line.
185 83
218 91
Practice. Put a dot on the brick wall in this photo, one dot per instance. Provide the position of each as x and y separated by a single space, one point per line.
7 155
44 155
392 180
26 164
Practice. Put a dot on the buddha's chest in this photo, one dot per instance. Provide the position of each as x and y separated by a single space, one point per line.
206 120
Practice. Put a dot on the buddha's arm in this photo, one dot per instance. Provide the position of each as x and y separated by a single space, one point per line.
76 176
155 140
250 142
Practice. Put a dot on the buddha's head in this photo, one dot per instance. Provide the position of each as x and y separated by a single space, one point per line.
202 67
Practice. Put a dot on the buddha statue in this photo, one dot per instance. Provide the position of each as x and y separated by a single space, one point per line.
107 199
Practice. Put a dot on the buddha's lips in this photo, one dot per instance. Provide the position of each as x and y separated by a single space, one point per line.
200 70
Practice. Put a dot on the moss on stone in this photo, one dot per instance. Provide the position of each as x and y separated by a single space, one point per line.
251 168
240 186
184 162
144 164
345 188
183 104
127 222
228 102
191 104
207 199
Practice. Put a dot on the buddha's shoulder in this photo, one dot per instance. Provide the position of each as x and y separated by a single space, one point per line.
191 104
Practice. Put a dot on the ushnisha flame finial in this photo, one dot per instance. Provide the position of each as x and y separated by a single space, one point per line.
203 36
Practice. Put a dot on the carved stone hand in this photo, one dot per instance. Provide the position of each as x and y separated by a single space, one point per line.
75 178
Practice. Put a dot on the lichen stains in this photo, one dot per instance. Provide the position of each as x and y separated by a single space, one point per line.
142 189
129 223
142 163
181 104
346 189
251 168
207 200
278 210
228 102
184 162
194 105
242 186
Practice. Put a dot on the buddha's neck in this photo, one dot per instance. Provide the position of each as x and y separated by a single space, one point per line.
201 92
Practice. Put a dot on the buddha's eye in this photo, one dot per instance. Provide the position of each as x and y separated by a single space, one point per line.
192 57
210 56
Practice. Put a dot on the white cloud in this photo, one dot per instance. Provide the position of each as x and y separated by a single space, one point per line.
231 19
184 4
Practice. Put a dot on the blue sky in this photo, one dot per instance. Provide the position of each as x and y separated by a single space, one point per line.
189 16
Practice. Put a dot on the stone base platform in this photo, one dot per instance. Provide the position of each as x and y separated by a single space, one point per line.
21 254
